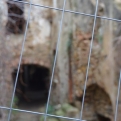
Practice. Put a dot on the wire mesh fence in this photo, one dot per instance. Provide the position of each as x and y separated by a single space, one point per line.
63 10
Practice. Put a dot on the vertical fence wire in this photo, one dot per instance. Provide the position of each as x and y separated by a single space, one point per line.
56 54
88 65
23 43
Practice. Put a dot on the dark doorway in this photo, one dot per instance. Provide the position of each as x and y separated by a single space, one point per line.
33 82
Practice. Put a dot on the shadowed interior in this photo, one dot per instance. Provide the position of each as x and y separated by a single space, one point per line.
33 82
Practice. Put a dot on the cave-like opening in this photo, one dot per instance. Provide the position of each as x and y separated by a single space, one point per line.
32 83
97 104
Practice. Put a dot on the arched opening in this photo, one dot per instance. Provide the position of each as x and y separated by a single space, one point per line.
16 21
97 106
33 82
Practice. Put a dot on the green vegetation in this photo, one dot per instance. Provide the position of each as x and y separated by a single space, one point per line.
62 110
15 102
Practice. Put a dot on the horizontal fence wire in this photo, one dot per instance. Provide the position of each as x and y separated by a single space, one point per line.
69 11
39 113
59 36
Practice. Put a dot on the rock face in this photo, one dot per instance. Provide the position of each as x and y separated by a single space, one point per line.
80 60
99 93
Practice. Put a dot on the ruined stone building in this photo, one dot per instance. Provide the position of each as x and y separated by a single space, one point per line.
71 67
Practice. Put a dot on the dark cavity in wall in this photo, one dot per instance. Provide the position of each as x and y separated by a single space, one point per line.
16 21
33 82
102 118
97 105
